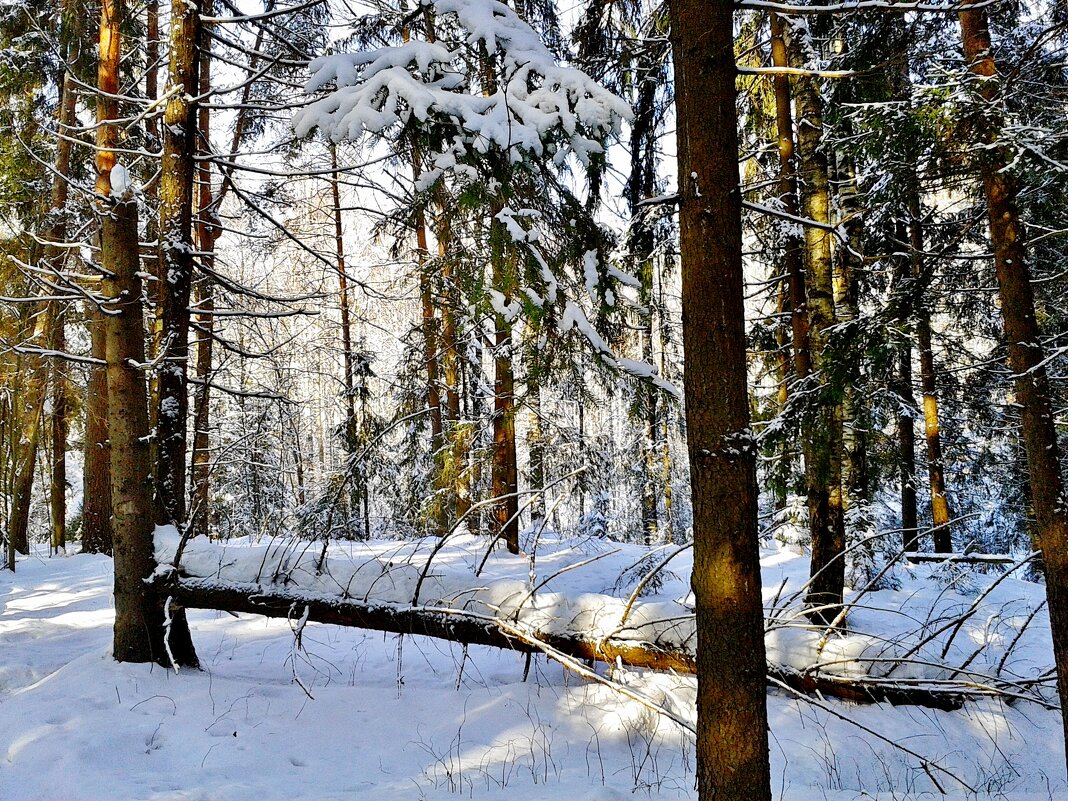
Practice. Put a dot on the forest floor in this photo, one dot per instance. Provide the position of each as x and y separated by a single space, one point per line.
355 714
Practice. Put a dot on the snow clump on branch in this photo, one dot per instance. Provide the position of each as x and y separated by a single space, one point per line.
537 107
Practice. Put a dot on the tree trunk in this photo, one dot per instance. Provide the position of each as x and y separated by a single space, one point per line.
207 235
793 246
1024 340
849 262
200 469
152 65
58 344
906 431
441 508
150 255
459 433
138 612
823 462
96 487
940 512
177 257
31 400
665 418
142 631
473 629
732 741
504 478
58 480
651 464
641 185
430 323
536 447
780 475
343 285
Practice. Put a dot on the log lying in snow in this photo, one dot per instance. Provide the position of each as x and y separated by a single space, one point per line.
962 558
470 628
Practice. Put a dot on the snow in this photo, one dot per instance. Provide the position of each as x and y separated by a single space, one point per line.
508 310
592 277
120 179
393 718
910 638
536 101
574 317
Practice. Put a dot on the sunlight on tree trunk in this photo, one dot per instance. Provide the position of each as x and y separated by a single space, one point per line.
732 738
1023 338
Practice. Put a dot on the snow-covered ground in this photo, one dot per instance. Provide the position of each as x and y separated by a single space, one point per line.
410 717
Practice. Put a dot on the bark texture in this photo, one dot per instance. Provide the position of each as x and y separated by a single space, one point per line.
207 234
732 739
147 628
505 473
57 258
96 488
31 398
793 297
138 612
823 427
177 257
143 632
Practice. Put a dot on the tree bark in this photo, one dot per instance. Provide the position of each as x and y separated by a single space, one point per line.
795 297
469 629
58 480
459 434
58 344
152 64
343 286
906 434
536 448
31 400
142 632
732 740
150 255
1024 341
640 185
906 431
96 488
504 476
207 235
177 257
441 507
138 612
848 264
430 324
823 463
940 512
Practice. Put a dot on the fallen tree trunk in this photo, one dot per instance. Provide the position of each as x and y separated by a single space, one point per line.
962 558
470 628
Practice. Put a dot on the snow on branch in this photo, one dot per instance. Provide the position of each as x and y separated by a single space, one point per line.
537 107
